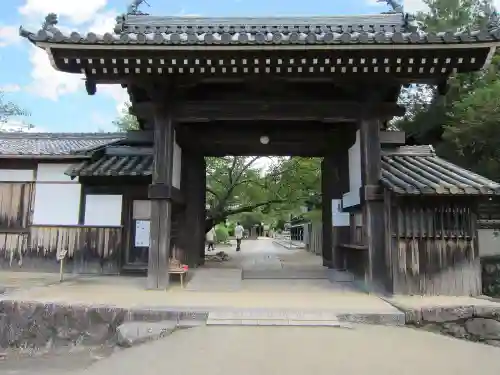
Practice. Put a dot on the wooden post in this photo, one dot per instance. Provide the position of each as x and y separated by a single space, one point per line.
373 205
161 200
193 224
340 186
202 189
327 181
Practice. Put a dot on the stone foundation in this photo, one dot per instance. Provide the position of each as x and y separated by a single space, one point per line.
491 276
472 323
37 325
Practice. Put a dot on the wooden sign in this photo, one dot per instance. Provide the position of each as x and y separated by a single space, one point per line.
62 254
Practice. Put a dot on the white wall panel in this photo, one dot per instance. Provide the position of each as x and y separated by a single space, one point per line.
56 204
177 163
488 243
339 218
351 199
103 210
47 172
355 165
16 175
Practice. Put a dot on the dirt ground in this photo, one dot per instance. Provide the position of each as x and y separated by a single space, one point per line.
52 362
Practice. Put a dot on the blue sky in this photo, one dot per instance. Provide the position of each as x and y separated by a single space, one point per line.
59 103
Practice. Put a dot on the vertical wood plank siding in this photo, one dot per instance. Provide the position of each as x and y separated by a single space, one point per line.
315 240
16 201
89 249
434 246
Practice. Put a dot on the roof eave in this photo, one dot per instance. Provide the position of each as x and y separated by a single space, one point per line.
45 157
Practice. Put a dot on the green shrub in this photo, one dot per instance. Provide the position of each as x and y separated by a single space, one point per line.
221 233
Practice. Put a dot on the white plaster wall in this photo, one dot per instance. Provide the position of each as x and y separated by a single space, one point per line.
17 175
53 172
57 197
339 218
352 197
103 210
177 163
56 204
488 244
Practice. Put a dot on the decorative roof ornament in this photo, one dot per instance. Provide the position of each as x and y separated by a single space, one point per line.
396 7
50 22
133 8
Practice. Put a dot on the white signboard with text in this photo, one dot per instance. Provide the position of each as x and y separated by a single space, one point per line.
142 228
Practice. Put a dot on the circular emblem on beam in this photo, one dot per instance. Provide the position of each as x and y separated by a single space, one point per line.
264 139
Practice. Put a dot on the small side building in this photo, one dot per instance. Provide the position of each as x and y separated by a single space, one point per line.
431 224
43 211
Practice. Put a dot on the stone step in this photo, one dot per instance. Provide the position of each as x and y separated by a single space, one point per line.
284 274
252 317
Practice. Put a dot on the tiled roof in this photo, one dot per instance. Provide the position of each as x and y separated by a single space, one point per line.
52 144
391 28
417 170
405 170
132 165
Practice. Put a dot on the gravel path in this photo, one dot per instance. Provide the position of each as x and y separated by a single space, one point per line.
293 351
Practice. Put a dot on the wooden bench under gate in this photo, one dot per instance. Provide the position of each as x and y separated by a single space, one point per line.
175 267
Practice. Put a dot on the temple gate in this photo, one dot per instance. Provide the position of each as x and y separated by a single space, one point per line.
304 86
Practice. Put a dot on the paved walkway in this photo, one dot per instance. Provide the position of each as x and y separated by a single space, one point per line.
297 351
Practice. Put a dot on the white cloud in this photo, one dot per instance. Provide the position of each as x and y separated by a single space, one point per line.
51 84
103 23
10 88
77 12
9 35
409 6
47 82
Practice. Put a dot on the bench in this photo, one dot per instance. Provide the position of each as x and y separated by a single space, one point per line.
176 268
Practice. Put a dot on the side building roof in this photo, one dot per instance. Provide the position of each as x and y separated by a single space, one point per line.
406 170
415 170
52 145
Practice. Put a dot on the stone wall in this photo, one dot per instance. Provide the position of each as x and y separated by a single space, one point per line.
38 325
491 275
474 323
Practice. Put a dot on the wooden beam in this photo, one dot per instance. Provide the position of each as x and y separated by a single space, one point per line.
139 136
283 110
161 209
392 138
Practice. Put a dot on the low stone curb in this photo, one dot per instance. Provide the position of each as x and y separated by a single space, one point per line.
36 324
477 323
286 245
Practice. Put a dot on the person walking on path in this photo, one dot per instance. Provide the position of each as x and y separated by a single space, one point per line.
210 238
238 233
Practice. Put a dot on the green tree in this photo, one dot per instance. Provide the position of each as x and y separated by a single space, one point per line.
236 185
126 121
428 112
9 110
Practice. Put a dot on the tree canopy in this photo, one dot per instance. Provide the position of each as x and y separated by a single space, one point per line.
9 110
462 124
237 184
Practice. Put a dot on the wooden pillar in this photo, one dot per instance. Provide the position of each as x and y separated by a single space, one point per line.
327 182
201 204
160 193
340 187
193 224
373 204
